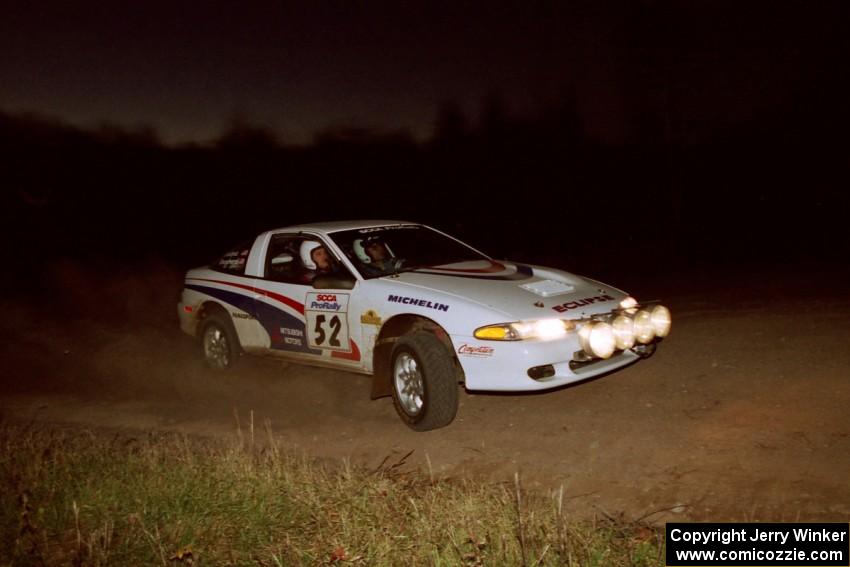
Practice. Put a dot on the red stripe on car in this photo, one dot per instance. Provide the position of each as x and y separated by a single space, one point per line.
353 355
282 298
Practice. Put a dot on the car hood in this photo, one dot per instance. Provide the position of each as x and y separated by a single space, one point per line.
519 291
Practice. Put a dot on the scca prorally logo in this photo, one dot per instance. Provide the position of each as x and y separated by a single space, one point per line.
472 350
579 303
327 302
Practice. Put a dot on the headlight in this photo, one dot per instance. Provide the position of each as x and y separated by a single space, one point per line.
598 339
551 329
660 317
543 329
644 331
624 332
628 302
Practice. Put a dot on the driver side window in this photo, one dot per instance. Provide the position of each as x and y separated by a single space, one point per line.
284 261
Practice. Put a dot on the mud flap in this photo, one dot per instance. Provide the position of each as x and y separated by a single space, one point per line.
381 377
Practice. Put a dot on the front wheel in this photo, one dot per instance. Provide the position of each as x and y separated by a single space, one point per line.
218 341
424 382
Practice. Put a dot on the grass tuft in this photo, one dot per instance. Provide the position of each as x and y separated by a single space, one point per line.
91 498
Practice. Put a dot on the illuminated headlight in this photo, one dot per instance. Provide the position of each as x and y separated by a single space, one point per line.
644 330
624 332
660 317
628 302
598 339
543 329
551 329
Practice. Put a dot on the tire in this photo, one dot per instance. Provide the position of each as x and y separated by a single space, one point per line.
424 382
219 342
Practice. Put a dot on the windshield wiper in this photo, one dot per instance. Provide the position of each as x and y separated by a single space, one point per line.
408 269
435 266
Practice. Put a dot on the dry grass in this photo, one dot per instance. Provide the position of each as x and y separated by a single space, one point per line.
89 498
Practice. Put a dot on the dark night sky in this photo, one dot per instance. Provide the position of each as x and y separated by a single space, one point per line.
191 68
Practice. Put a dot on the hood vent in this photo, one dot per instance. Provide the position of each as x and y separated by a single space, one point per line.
548 288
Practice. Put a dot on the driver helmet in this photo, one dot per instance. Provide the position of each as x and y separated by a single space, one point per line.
306 253
361 244
360 251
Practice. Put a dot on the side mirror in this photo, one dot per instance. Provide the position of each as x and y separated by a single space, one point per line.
333 282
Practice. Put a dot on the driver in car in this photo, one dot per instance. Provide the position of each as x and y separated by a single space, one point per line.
376 259
316 260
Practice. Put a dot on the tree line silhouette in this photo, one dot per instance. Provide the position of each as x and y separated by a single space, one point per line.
534 188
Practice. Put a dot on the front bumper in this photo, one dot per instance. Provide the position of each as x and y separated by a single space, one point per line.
505 365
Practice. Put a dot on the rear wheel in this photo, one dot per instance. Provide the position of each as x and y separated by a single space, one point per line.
219 343
424 382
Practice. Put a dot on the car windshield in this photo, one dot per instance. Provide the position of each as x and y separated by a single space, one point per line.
381 251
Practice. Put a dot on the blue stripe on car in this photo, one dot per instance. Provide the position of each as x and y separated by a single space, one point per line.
271 318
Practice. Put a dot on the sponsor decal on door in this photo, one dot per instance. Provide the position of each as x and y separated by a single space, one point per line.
327 321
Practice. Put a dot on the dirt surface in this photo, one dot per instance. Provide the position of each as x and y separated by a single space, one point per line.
741 415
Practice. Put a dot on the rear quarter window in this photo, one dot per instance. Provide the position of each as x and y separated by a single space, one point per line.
234 260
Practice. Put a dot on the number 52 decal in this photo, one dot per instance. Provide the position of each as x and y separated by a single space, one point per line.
327 321
328 331
320 334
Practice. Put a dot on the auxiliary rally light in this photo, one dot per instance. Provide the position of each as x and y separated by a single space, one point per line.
661 321
598 339
624 332
601 339
644 331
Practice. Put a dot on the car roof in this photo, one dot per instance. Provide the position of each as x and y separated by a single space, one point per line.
329 227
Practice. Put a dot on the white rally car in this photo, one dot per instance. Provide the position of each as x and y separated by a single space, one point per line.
419 310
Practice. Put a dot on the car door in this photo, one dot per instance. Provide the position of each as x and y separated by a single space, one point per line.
305 323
